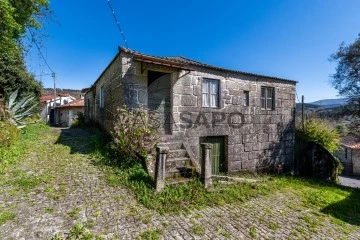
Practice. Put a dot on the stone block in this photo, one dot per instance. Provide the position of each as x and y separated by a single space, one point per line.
249 138
234 139
236 149
235 166
197 90
176 99
188 100
255 155
244 156
263 137
185 90
249 165
248 147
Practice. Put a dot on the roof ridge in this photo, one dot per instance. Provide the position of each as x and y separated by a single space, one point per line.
188 61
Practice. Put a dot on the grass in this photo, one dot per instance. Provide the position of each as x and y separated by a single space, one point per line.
75 213
252 232
323 197
21 146
150 235
198 230
6 216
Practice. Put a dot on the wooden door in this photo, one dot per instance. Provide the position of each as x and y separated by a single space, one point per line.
218 153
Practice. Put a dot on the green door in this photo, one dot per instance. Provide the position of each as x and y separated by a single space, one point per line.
218 153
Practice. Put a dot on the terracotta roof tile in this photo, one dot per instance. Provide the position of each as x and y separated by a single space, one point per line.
45 98
75 103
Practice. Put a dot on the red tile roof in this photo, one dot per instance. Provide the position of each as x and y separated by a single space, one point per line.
45 98
351 141
75 103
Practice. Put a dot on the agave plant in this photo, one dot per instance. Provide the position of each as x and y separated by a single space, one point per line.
16 111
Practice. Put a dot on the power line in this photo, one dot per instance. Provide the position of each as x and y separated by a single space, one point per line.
118 24
38 48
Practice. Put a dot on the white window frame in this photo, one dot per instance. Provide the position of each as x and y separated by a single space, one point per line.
208 93
265 98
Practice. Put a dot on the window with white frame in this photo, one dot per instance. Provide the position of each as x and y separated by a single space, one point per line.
267 98
210 92
246 99
102 97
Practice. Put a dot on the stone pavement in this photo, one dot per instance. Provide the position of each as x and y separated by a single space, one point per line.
349 181
73 191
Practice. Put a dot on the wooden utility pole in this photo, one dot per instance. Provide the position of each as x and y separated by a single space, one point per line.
302 112
54 104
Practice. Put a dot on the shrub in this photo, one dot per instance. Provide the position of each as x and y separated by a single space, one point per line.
79 121
134 134
320 133
8 133
16 110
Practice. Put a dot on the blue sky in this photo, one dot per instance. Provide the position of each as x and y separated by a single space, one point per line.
289 39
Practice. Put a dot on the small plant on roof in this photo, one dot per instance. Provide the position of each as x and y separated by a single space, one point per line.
17 110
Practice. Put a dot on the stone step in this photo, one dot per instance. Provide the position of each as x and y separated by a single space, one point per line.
180 172
177 163
171 145
177 181
177 153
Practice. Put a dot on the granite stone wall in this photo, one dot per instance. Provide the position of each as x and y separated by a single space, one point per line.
356 161
255 138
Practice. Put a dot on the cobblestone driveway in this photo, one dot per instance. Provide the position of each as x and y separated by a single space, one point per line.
73 191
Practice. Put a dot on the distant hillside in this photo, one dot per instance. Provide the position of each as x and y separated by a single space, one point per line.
330 103
73 92
307 106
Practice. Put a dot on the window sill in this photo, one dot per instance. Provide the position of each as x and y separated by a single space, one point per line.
211 107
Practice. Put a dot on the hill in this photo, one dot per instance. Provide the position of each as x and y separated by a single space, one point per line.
73 92
330 103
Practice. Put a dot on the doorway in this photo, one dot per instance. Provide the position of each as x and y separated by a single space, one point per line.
159 86
218 153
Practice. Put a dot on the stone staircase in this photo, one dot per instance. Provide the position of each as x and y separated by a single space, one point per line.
178 167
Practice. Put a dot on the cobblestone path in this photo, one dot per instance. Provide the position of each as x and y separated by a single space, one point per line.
51 194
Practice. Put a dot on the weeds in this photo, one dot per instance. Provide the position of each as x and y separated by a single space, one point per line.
6 216
150 235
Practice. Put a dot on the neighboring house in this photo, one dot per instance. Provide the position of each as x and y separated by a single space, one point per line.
349 154
47 103
67 113
249 118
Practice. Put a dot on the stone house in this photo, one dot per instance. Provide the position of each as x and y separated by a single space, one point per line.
47 104
67 113
248 118
349 154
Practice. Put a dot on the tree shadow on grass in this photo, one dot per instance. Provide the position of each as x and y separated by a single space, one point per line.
347 210
77 139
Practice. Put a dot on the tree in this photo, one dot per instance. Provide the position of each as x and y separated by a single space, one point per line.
347 77
15 17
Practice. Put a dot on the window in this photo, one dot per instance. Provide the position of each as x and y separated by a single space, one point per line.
210 93
246 99
267 98
102 97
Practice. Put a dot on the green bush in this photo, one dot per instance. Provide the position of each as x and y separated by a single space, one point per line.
79 121
8 133
320 133
133 133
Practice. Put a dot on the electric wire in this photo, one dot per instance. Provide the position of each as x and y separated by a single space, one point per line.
118 24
